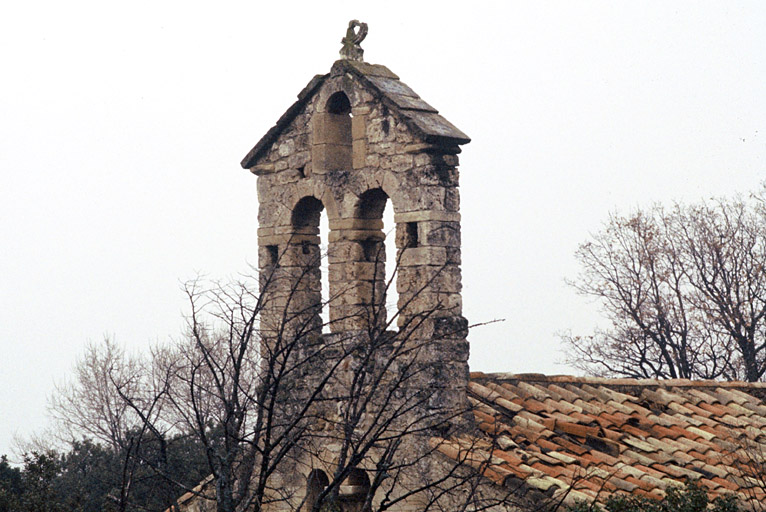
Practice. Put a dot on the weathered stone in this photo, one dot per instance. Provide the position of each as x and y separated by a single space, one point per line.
359 127
356 234
438 175
367 224
422 159
425 215
401 163
451 327
453 255
362 109
345 251
353 142
330 128
445 278
298 160
372 160
286 148
263 169
380 129
452 199
423 198
419 256
289 176
451 160
330 157
439 233
359 154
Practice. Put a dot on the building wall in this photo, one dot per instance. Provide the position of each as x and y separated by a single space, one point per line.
347 153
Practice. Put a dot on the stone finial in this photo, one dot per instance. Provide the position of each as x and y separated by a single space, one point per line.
351 49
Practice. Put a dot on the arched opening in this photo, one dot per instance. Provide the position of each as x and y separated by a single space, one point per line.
316 482
338 103
332 134
306 213
352 494
307 255
376 214
354 490
372 204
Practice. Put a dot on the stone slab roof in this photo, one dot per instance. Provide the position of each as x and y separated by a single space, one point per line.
418 115
616 435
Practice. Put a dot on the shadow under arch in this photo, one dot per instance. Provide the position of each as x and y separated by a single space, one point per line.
377 258
332 134
316 482
352 494
354 491
306 213
307 255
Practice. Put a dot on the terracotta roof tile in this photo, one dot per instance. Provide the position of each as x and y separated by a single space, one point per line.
564 393
572 447
701 432
728 396
637 408
612 435
638 436
637 432
714 409
661 457
676 472
661 432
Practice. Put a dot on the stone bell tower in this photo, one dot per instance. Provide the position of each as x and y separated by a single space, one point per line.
355 139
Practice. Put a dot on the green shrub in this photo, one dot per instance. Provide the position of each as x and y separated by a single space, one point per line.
689 498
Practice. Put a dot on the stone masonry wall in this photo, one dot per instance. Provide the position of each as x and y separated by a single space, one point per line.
347 153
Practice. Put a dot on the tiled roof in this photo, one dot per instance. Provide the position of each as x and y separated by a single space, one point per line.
592 437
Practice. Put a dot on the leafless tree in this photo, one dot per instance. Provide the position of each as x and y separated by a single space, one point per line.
749 459
358 407
684 290
93 404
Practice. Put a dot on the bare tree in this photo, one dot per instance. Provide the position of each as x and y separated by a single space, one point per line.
360 407
684 291
93 405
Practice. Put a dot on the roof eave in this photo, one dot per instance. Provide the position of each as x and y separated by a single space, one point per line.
251 159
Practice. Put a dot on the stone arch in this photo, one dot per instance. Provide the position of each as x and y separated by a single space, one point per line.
331 89
333 141
371 204
316 482
372 255
308 240
306 212
370 207
296 192
354 491
338 103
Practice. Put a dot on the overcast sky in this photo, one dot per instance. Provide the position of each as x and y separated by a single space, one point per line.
122 125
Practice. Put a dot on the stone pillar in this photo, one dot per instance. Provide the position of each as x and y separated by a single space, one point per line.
290 278
429 280
357 274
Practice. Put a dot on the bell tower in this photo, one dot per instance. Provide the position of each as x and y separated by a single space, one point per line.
356 139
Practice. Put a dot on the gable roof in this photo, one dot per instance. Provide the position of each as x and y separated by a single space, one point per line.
419 116
601 436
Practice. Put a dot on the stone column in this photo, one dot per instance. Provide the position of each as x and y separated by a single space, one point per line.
357 274
429 280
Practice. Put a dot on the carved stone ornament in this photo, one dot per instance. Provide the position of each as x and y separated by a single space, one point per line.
351 49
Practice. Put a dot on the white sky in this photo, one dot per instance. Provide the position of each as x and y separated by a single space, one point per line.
122 126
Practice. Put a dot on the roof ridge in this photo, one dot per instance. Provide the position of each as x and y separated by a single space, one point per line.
419 116
572 379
